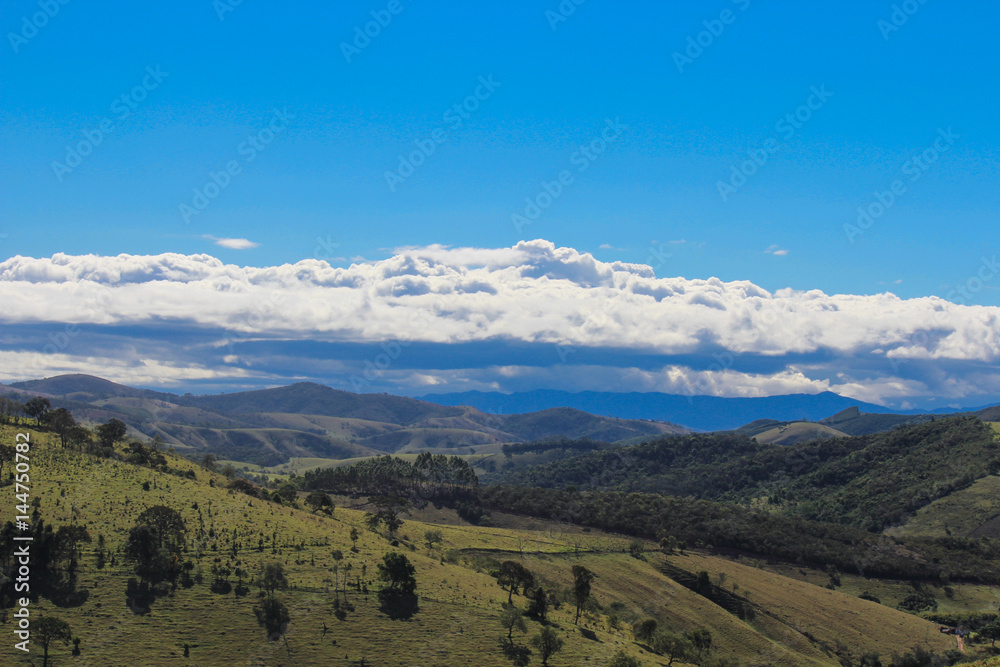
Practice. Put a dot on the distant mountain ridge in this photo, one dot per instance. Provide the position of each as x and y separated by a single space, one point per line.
704 413
309 420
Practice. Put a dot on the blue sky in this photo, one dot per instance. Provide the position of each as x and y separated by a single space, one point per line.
887 92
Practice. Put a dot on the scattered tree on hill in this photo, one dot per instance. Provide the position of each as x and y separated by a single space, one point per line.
36 408
623 659
272 578
112 432
432 537
320 502
61 421
354 538
671 644
50 629
581 587
397 571
78 438
539 605
511 619
991 631
272 613
7 455
243 486
287 492
387 511
155 543
644 630
10 410
512 575
208 462
701 642
547 642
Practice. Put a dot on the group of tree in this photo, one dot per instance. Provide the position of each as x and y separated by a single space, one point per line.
271 611
55 554
727 526
431 477
831 480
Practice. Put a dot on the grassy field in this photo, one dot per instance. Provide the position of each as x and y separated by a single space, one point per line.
796 623
790 434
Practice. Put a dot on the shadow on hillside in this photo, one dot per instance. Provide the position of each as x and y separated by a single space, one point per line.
398 607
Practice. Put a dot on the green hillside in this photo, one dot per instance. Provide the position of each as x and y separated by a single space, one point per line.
336 617
872 481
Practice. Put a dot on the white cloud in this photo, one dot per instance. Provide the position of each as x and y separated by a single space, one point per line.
232 244
531 293
776 250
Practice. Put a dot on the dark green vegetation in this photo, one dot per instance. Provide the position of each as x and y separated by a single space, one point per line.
870 482
269 426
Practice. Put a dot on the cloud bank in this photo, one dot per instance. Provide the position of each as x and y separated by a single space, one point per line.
532 315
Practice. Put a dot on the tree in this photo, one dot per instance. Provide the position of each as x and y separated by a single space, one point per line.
396 570
78 437
272 577
354 538
643 630
581 587
388 509
50 629
36 408
512 575
7 455
273 615
539 605
672 645
511 619
61 420
431 537
288 492
320 502
547 642
991 631
167 524
623 659
112 432
208 462
701 642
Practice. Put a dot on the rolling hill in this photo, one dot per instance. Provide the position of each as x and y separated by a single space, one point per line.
754 614
307 420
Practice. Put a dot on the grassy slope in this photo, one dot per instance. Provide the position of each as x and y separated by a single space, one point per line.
456 624
795 432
